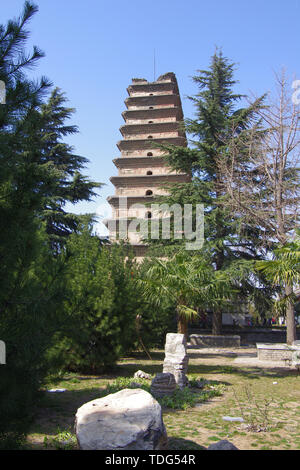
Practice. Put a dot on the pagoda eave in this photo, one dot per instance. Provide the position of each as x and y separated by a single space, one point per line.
143 144
172 111
116 201
124 162
149 179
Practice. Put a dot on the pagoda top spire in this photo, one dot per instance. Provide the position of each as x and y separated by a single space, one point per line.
166 77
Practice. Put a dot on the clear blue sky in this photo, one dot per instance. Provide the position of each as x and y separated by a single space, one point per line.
94 48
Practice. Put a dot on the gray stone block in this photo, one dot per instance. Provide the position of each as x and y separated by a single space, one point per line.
163 384
222 445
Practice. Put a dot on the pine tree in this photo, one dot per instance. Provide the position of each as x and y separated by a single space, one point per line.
32 181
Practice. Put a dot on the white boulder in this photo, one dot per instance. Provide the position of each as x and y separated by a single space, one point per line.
127 420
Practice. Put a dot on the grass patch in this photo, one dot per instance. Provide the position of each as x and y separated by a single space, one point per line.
63 440
193 417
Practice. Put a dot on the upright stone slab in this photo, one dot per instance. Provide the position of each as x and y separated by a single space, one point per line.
176 358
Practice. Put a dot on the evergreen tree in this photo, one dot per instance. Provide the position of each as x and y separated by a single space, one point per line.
217 113
72 186
38 174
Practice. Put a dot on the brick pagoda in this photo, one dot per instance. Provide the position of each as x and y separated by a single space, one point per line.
153 114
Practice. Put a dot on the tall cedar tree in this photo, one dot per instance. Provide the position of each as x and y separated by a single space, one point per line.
226 241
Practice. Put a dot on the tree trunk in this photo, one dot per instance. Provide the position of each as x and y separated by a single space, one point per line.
290 318
217 323
182 326
220 257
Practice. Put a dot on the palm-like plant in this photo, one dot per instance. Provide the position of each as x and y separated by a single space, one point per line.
188 280
284 271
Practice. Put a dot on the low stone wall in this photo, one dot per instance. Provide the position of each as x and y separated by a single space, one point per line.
251 335
214 341
274 352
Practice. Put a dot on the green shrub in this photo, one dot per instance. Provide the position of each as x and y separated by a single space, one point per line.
64 440
124 382
100 306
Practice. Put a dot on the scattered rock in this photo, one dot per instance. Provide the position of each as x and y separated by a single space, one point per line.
142 375
135 385
222 445
126 420
163 384
176 358
233 418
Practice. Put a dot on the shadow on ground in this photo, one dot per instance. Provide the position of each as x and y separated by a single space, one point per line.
183 444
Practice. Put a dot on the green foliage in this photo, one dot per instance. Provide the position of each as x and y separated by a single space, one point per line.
126 382
64 440
107 314
187 280
100 304
155 322
179 400
283 271
285 267
72 186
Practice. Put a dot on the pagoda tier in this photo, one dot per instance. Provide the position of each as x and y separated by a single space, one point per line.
149 128
146 180
153 117
142 162
158 101
157 114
